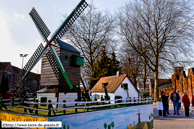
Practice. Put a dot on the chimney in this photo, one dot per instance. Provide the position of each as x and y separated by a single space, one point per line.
118 73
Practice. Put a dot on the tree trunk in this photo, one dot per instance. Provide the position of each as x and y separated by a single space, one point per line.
156 94
78 93
86 91
156 91
144 77
134 81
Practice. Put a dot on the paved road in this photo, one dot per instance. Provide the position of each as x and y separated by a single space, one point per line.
173 121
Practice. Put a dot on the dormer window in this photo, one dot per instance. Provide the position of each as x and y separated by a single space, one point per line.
104 85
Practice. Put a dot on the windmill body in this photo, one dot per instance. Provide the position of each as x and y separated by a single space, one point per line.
66 54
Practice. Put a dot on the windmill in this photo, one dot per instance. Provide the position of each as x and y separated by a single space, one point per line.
55 63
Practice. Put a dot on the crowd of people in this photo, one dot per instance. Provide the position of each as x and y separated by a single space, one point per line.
175 97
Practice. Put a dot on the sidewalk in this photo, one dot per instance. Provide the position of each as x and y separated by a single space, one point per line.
173 121
171 111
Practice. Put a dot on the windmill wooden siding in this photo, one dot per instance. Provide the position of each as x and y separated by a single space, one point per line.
48 77
73 72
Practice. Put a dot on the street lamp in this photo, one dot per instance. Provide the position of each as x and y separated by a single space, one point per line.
23 55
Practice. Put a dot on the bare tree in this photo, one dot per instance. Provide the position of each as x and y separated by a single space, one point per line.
161 31
92 30
133 67
138 68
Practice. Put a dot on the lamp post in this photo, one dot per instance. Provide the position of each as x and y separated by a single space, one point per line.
23 55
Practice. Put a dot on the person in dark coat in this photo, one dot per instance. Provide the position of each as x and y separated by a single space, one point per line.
179 99
165 103
193 101
175 99
186 102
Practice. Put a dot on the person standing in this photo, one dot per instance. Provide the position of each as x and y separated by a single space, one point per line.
167 111
193 101
186 102
165 104
175 99
160 107
179 100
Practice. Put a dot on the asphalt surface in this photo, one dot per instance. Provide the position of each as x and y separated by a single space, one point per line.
173 121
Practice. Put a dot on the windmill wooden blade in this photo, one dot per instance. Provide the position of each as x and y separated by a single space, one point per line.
32 62
70 20
58 61
41 26
57 67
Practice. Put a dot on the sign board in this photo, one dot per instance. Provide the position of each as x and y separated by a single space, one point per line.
17 118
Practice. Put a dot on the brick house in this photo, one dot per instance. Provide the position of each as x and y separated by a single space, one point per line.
182 82
179 81
12 72
140 85
164 85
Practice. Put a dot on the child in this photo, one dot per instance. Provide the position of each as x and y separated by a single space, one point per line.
160 107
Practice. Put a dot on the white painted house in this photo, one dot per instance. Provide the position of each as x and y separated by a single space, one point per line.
115 87
50 95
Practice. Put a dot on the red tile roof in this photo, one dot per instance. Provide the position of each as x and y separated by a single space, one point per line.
3 65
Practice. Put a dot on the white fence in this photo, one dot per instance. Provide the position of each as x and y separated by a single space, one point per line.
96 105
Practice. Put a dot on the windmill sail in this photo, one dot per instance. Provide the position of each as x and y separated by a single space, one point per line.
54 53
41 26
32 62
69 21
27 68
55 67
51 54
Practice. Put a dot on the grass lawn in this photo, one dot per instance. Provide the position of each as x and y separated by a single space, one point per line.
20 110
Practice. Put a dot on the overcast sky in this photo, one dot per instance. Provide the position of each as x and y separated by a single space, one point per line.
18 33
